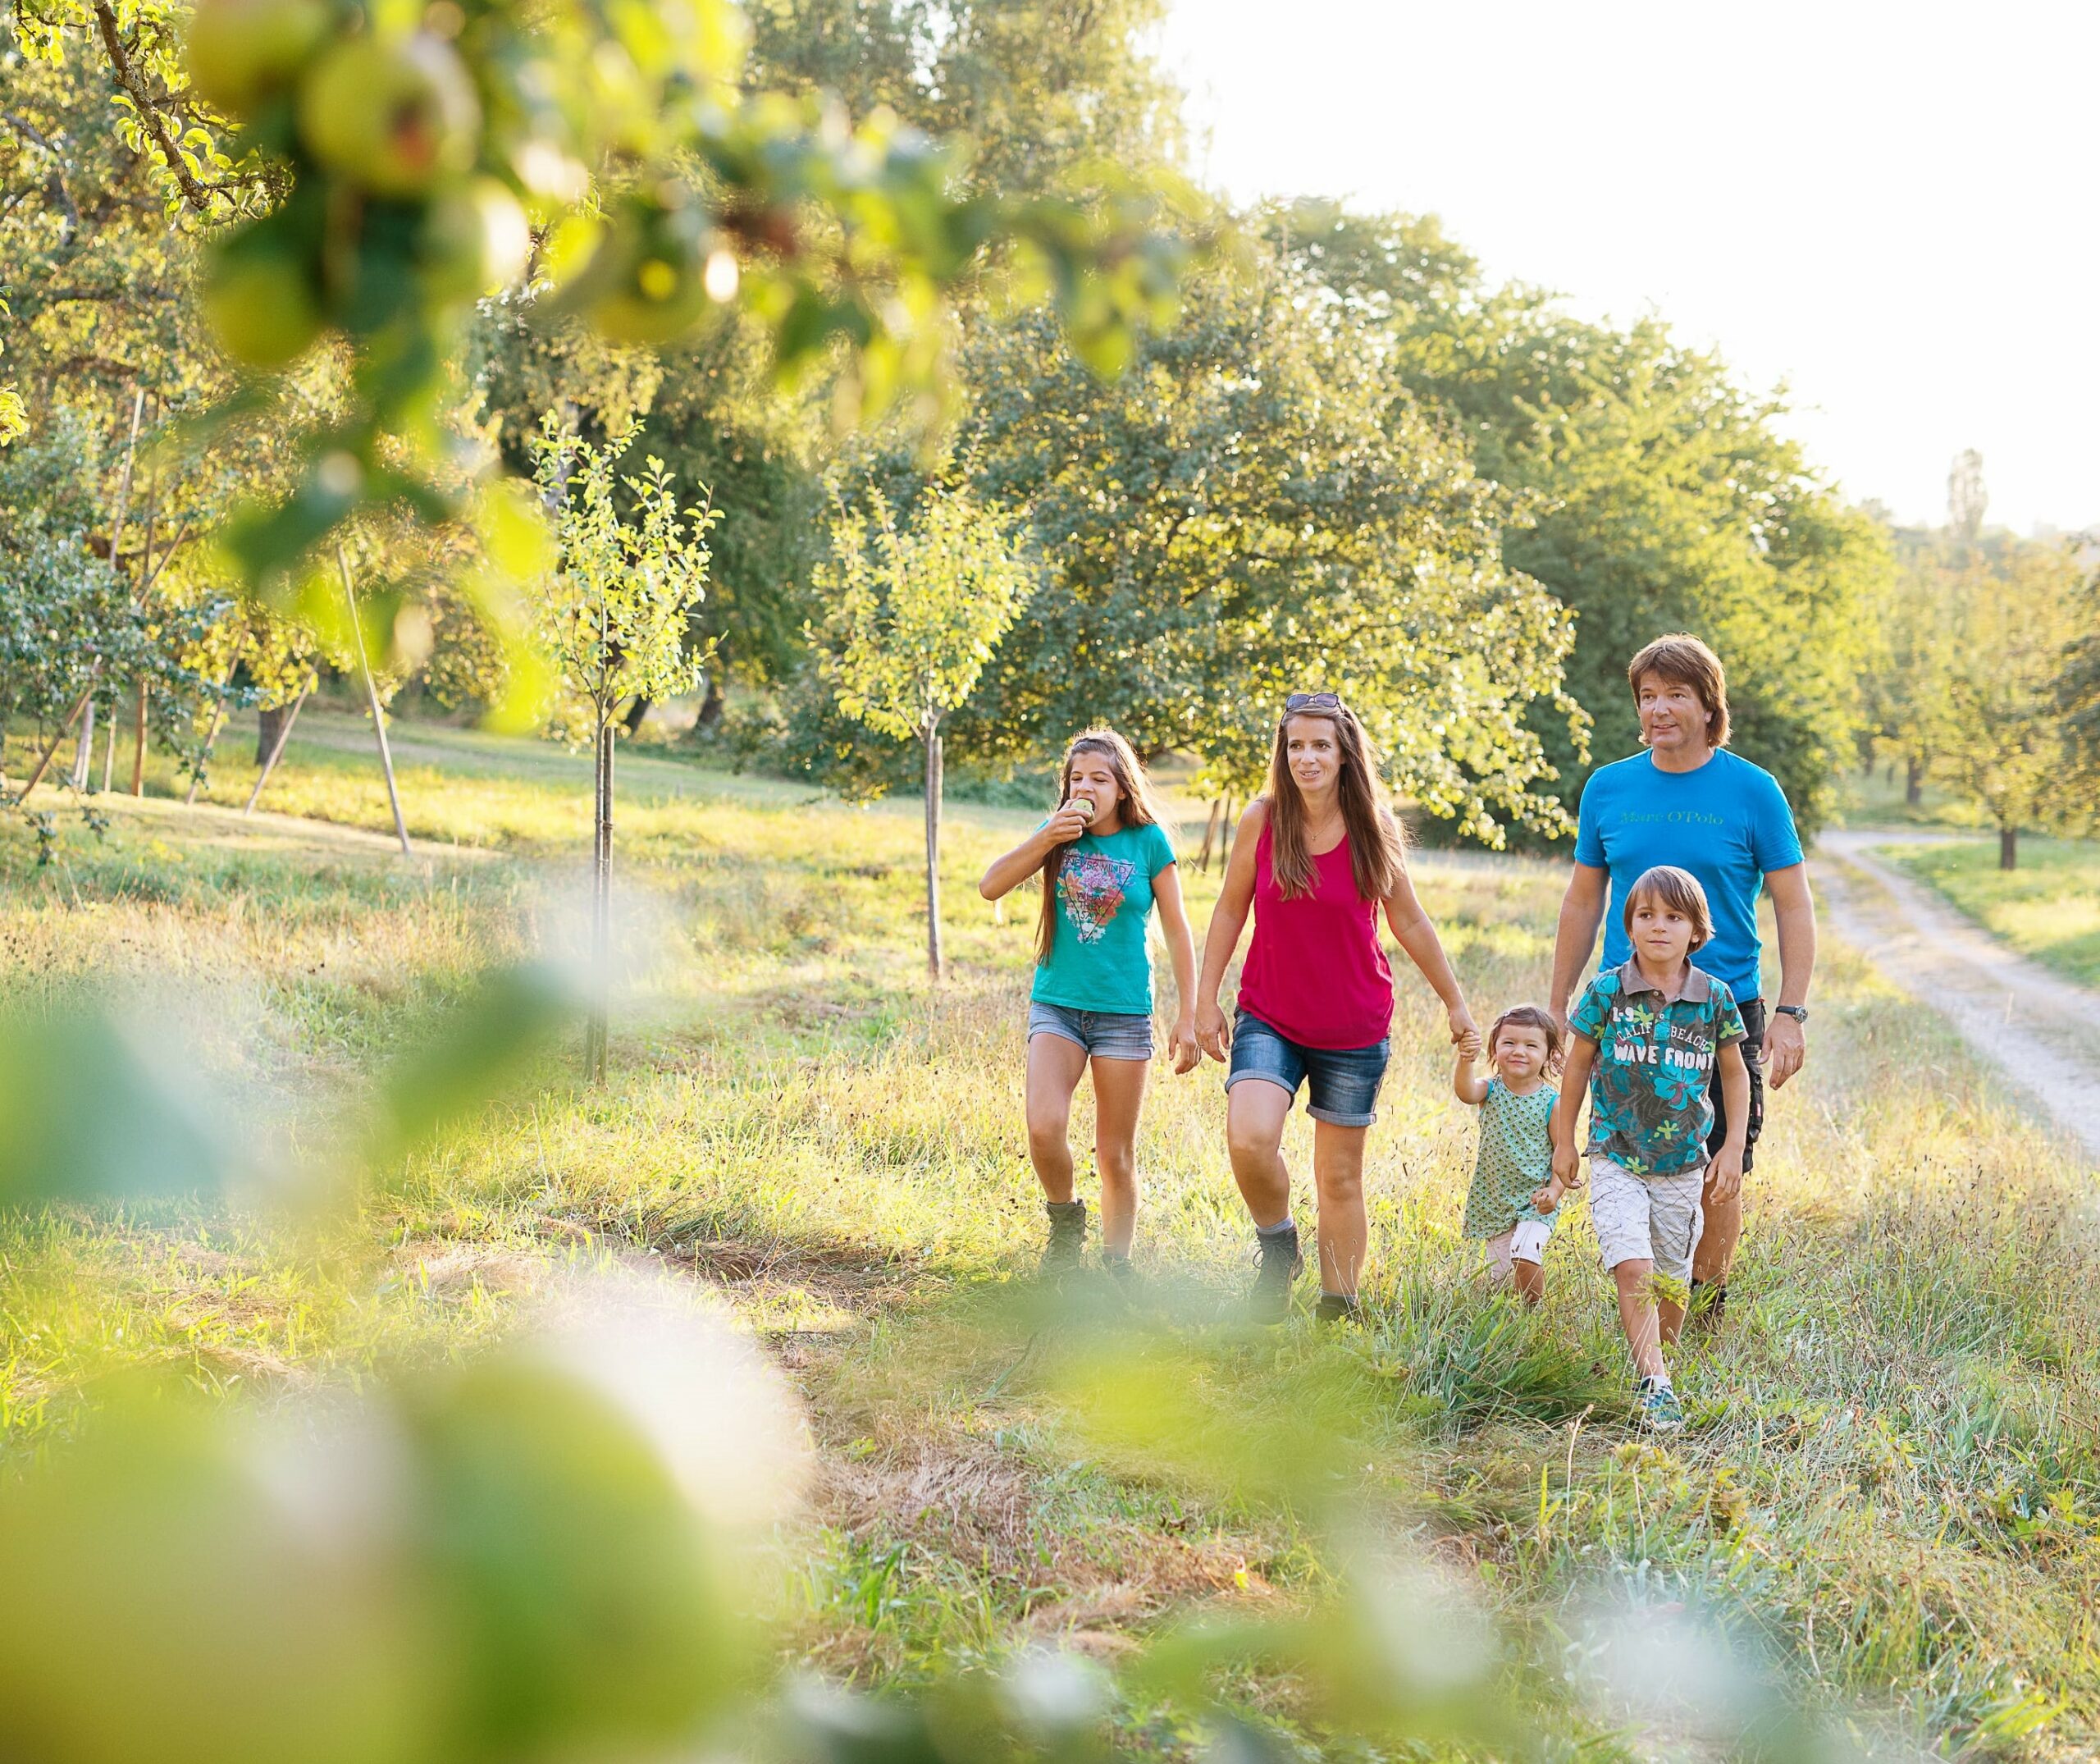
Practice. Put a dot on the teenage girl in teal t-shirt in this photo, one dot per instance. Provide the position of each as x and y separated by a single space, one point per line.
1106 863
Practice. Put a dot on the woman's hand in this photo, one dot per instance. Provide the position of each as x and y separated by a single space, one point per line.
1213 1034
1183 1046
1462 1026
1065 825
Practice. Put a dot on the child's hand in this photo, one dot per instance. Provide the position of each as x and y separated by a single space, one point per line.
1469 1044
1547 1199
1724 1175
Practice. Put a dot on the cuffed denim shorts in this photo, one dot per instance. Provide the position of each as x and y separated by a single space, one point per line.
1341 1084
1105 1034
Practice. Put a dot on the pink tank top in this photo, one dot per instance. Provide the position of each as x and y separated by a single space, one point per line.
1316 971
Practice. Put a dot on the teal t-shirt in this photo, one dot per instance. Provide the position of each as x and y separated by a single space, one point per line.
1098 957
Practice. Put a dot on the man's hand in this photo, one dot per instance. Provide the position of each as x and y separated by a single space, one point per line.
1213 1034
1724 1175
1183 1046
1785 1047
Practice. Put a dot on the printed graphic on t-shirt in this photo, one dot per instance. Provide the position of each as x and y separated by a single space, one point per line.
1090 886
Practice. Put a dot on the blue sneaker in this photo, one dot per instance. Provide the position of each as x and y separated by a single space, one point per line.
1655 1406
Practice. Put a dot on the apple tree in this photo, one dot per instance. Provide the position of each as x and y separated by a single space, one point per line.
612 613
916 610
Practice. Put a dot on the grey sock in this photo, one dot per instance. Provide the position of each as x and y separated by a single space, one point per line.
1286 1223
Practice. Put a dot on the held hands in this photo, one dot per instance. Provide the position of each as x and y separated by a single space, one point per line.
1463 1027
1213 1034
1567 1168
1724 1175
1546 1198
1469 1044
1182 1044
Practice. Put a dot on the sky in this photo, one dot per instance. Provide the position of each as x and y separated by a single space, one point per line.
1893 209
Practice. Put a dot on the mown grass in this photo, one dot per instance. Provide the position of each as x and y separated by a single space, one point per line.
2048 908
1892 1482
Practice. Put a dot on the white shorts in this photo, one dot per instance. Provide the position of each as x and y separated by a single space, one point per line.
1524 1241
1647 1218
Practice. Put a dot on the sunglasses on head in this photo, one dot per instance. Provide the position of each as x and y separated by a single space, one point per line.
1311 701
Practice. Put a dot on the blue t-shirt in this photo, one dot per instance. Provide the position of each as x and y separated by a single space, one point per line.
1098 956
1727 823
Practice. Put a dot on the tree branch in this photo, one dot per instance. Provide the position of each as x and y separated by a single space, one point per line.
128 76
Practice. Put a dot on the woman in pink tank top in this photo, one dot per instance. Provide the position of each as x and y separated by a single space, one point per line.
1318 858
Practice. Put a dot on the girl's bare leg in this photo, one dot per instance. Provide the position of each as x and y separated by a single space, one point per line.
1255 1111
1118 1094
1054 1067
1344 1227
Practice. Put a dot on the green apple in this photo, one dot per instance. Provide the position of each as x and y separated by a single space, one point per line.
262 307
590 1618
393 115
241 51
475 240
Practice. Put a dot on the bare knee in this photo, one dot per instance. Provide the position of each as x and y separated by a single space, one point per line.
1248 1143
1117 1161
1048 1135
1634 1279
1339 1188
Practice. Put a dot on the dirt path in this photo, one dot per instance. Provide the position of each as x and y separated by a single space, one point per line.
2043 1032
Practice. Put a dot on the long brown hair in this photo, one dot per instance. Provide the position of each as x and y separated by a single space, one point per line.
1377 851
1139 808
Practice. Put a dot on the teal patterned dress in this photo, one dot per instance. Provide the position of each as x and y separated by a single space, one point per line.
1515 1161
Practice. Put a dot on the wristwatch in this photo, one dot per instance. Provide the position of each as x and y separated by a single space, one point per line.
1799 1013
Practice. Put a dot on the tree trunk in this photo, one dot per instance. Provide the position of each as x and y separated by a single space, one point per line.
632 722
267 724
1210 835
109 750
934 963
84 752
1225 856
599 1032
139 750
2008 847
1914 780
711 702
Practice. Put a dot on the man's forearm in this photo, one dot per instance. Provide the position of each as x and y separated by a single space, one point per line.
1573 937
1796 928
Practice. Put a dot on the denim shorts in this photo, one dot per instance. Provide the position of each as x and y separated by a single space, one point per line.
1105 1034
1341 1083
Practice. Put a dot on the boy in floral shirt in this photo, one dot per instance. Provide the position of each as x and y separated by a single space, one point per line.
1644 1042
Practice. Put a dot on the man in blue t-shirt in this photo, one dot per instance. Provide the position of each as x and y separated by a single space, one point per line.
1689 802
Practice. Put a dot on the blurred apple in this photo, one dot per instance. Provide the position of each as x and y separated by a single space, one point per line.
241 51
262 307
475 240
393 115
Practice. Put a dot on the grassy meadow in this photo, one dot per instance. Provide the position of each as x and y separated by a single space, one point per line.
2048 908
1892 1482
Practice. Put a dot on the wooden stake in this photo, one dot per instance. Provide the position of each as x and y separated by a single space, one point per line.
283 735
218 722
372 697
